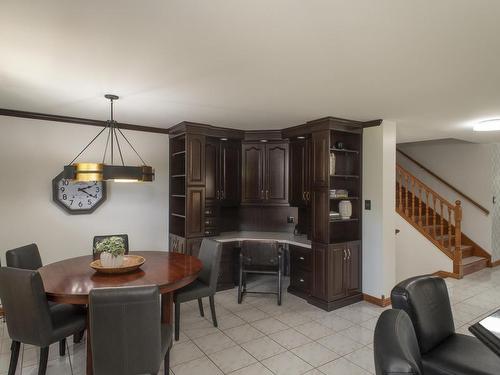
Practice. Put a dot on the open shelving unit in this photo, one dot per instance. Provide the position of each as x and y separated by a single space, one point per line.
177 207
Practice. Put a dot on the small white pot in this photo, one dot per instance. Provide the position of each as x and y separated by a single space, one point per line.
345 209
111 261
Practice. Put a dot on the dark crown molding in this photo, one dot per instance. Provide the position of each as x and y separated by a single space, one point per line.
77 120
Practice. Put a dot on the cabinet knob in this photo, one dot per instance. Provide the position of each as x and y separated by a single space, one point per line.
301 280
301 258
267 194
262 194
349 256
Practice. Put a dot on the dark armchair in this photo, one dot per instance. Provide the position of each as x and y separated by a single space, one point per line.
395 345
29 318
425 299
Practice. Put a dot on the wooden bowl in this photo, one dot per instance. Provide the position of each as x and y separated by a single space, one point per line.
130 263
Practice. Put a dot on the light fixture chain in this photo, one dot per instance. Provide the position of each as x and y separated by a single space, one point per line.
118 144
130 144
93 139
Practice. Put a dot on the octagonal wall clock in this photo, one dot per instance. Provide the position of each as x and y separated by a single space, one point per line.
78 198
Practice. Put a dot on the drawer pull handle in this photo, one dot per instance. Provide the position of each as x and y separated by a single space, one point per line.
301 258
301 280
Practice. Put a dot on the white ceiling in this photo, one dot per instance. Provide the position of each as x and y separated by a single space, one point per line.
431 65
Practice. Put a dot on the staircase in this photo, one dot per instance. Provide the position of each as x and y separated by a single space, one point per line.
440 222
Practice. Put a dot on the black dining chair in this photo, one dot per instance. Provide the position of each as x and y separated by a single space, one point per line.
262 258
126 332
98 239
28 258
425 299
204 286
29 318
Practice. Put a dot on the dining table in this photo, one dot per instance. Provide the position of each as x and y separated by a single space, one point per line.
71 280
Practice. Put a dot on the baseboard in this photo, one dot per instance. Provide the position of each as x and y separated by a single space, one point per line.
445 274
495 263
329 306
377 301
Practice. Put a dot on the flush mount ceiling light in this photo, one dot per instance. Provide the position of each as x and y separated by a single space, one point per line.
487 125
84 171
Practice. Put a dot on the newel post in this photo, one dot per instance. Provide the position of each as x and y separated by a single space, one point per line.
457 254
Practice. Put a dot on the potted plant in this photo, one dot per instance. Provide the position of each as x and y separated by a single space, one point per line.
111 251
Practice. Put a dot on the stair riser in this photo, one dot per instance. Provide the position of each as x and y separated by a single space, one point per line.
474 267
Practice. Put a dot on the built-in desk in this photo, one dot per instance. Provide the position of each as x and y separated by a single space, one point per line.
281 237
299 248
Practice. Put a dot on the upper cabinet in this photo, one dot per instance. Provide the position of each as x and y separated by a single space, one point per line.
222 172
195 150
265 173
300 189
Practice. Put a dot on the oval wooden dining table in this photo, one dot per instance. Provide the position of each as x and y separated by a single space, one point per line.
71 280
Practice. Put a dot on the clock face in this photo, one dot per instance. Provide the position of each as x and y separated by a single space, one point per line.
78 197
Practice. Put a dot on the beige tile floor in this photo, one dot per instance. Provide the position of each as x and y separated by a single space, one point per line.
258 337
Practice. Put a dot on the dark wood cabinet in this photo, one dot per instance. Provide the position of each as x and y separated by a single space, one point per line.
300 270
336 276
300 181
252 170
353 268
195 149
195 226
211 170
229 176
320 202
320 166
265 173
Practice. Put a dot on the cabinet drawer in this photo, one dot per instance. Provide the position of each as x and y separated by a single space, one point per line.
300 280
300 258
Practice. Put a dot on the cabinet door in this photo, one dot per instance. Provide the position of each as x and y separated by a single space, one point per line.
211 168
276 173
195 148
195 211
253 156
298 173
353 266
336 270
320 162
230 179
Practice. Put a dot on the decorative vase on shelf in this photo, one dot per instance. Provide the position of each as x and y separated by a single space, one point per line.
345 209
332 163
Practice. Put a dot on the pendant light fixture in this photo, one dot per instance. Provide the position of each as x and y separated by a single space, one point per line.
109 172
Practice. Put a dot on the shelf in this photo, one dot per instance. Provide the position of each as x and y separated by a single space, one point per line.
344 150
342 198
178 176
178 215
178 153
342 220
345 175
178 196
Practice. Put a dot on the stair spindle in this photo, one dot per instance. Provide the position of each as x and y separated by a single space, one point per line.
420 205
400 191
407 179
457 255
449 228
427 208
441 223
434 215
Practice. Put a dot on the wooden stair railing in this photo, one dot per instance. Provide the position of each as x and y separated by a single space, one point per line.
431 214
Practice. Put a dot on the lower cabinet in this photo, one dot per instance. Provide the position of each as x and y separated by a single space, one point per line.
336 277
300 270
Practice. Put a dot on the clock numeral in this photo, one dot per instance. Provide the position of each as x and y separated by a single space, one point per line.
89 202
63 189
80 204
97 189
64 197
65 182
71 202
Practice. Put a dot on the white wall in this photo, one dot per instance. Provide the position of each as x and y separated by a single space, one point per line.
379 252
32 152
467 167
415 254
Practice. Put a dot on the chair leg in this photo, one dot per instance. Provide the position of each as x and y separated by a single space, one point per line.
62 347
212 309
240 287
44 357
200 306
77 337
177 320
280 282
166 363
14 356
